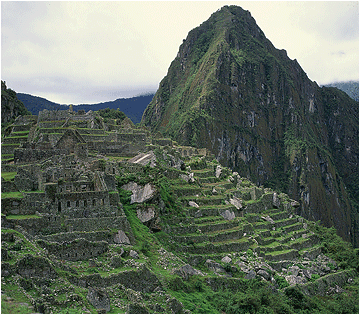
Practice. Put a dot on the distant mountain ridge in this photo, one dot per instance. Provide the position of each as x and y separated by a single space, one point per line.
132 107
351 88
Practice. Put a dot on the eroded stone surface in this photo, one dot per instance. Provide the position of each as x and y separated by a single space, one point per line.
140 193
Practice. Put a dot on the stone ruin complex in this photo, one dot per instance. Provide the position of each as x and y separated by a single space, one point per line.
66 182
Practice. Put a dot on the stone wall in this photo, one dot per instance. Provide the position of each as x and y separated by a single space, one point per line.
138 138
33 155
78 249
52 115
9 148
32 225
163 142
7 186
96 236
190 151
12 206
21 128
322 285
81 151
84 204
33 202
93 224
142 280
120 148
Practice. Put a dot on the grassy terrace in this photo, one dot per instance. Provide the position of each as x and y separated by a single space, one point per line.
271 245
281 252
8 176
15 145
20 133
17 137
118 158
7 159
225 231
12 194
22 217
236 241
208 219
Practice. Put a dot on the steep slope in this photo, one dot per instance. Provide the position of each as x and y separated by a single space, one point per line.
11 107
231 91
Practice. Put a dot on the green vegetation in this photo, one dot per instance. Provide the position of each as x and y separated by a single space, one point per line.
336 248
15 301
22 217
108 113
12 194
8 176
10 105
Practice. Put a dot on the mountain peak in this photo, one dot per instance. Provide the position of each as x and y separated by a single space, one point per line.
231 91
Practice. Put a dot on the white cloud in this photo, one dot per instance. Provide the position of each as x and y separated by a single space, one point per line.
79 52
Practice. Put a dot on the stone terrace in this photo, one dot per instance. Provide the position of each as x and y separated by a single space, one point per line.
228 214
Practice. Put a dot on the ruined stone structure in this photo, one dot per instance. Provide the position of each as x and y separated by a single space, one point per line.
67 188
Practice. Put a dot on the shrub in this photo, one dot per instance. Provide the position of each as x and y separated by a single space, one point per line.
227 267
282 283
314 277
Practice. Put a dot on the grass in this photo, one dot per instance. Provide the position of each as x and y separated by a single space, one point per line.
7 159
10 144
22 217
8 175
195 302
12 194
25 241
272 245
17 136
15 133
118 158
13 303
280 252
34 192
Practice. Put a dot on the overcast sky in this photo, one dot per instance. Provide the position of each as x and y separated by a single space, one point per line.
89 52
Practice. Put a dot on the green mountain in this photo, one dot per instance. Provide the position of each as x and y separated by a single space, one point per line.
231 91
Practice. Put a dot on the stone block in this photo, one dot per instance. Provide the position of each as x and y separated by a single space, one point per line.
186 271
140 193
146 215
121 238
228 215
236 202
99 298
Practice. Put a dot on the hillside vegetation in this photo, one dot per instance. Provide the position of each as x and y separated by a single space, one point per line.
231 91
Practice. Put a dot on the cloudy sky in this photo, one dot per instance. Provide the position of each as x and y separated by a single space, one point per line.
89 52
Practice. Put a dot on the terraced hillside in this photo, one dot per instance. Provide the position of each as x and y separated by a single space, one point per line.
226 215
113 219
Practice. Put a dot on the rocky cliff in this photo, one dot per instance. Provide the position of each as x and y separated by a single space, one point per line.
11 107
230 90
